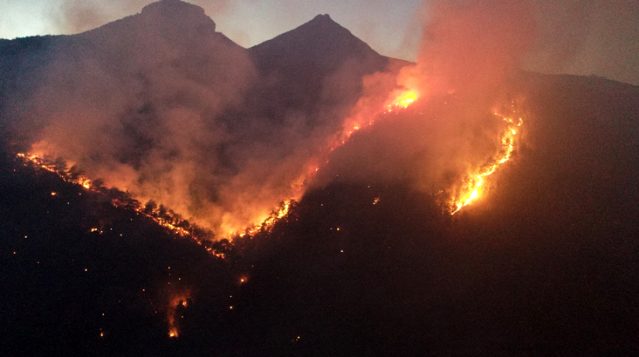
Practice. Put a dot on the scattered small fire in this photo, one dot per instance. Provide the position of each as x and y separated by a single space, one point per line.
177 302
473 185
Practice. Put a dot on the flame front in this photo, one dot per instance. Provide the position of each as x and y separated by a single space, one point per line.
473 185
471 188
167 219
402 100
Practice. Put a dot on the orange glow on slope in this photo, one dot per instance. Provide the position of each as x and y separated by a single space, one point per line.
399 100
168 220
403 100
267 221
473 185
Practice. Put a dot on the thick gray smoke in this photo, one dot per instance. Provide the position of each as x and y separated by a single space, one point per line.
587 37
156 104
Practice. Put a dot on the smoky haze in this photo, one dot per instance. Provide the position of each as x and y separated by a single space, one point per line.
162 106
469 55
587 37
74 16
155 105
582 37
166 108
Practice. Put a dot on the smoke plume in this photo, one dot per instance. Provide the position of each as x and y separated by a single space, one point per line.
470 52
159 105
170 110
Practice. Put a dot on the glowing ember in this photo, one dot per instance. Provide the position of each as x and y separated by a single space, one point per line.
474 184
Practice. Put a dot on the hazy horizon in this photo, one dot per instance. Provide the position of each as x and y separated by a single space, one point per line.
591 37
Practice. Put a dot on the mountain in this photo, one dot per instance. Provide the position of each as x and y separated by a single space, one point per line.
316 65
168 48
315 50
546 264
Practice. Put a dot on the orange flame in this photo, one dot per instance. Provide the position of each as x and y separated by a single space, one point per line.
399 100
473 185
165 220
402 100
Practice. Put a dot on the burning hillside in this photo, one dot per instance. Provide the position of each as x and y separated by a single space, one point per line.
212 145
167 191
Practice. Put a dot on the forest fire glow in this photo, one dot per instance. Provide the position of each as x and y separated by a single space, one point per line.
473 185
164 218
161 216
470 190
260 222
403 100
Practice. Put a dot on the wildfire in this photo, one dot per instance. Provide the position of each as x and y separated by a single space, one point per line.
269 221
473 185
164 218
403 100
471 188
399 100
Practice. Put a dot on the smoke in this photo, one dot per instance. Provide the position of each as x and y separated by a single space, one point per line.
160 105
587 37
164 107
470 52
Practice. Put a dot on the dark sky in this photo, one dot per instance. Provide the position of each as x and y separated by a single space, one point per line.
585 37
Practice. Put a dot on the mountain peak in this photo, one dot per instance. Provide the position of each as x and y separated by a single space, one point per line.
318 37
177 12
166 6
323 23
323 18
